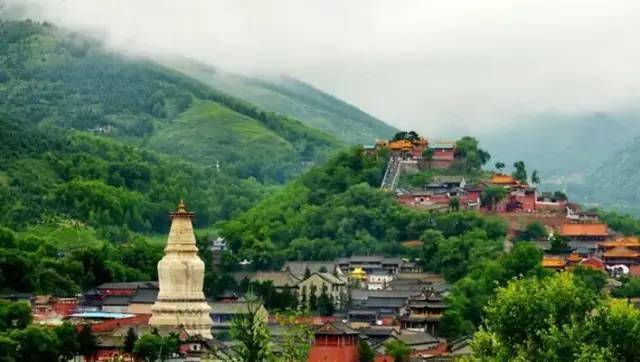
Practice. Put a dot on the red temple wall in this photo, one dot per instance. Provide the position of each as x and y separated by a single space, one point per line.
333 354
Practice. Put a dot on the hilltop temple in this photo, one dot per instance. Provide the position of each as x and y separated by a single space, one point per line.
181 302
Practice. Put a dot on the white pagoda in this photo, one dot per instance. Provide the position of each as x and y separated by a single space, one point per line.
181 302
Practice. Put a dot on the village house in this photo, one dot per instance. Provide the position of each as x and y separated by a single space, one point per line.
223 313
576 215
281 280
379 307
191 348
378 280
125 297
444 154
443 182
142 301
217 248
333 286
547 201
50 307
422 345
374 263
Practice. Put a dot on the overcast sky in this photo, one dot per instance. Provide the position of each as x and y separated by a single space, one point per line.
447 66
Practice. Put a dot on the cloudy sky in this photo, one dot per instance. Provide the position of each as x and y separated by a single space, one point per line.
445 66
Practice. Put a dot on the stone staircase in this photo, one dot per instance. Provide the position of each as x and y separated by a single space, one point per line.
392 174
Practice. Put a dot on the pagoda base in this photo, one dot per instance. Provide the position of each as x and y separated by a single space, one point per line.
193 316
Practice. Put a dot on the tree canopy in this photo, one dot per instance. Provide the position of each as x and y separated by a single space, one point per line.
557 318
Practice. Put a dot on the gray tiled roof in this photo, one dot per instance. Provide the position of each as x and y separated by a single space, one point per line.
392 303
145 296
298 268
364 294
335 328
418 338
229 307
331 278
128 285
117 300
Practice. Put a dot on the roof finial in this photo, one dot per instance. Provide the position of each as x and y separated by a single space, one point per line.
181 206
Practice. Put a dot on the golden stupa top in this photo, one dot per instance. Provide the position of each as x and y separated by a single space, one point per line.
182 211
181 237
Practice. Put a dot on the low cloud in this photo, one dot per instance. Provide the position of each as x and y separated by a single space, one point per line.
434 66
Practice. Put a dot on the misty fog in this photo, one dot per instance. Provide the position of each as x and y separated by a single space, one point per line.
433 66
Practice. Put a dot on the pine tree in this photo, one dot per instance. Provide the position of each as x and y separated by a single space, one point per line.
87 341
325 303
303 298
130 340
250 330
313 298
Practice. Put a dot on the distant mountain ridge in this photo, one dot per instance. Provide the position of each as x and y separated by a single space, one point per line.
295 98
616 184
564 149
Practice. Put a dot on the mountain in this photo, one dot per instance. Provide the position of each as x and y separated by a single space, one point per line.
294 98
49 76
564 149
616 184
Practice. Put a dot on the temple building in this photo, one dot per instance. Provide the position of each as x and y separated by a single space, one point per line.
585 237
425 312
333 342
181 301
624 251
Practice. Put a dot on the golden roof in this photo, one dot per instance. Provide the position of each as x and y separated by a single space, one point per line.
553 262
574 258
401 145
621 252
632 242
595 229
500 179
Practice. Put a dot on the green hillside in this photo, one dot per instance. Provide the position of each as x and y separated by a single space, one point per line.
616 184
49 76
296 99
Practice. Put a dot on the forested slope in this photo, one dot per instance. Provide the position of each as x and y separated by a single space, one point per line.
47 175
616 184
292 97
49 76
